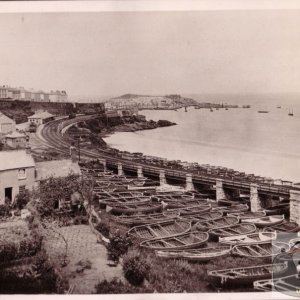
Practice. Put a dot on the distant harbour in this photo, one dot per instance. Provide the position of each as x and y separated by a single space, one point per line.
242 139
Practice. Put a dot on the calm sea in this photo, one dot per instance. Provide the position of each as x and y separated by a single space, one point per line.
242 139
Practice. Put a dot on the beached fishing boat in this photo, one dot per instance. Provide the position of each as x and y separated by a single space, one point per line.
219 223
260 250
198 255
192 210
252 238
232 209
185 203
265 221
285 226
118 201
208 216
160 230
247 215
188 240
266 285
237 229
136 208
245 275
142 219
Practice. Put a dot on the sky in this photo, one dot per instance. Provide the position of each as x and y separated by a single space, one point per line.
113 53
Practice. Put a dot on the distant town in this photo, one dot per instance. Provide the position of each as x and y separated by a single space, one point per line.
20 93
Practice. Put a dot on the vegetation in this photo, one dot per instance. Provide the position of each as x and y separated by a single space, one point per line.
103 228
57 190
36 277
118 246
116 286
4 210
22 199
135 268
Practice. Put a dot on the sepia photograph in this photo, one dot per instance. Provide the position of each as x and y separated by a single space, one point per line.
150 148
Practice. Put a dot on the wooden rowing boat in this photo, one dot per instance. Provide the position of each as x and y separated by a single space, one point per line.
185 203
247 215
199 255
266 285
237 229
192 210
208 216
245 275
260 250
117 201
142 219
213 224
160 230
233 208
285 226
252 238
265 221
188 240
136 208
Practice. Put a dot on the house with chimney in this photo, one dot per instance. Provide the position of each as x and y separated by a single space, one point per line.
19 171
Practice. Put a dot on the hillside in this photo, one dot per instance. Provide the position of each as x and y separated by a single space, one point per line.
150 102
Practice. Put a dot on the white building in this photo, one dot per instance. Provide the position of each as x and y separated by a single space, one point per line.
7 124
41 118
16 140
17 173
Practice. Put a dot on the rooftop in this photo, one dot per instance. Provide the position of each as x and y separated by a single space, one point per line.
15 159
56 168
41 115
15 135
4 118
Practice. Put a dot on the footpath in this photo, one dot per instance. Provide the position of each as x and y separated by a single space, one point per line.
82 247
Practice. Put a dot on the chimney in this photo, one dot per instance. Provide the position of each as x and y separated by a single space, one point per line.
73 154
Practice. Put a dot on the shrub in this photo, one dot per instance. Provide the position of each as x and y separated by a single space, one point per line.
25 247
135 268
22 199
116 286
4 210
118 246
103 228
34 278
80 220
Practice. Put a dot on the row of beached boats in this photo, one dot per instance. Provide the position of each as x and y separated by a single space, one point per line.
190 226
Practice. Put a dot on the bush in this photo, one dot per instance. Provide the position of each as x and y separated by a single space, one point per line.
118 287
34 278
118 246
135 268
81 220
26 247
22 199
4 210
103 228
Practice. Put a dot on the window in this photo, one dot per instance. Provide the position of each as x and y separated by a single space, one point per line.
22 189
22 174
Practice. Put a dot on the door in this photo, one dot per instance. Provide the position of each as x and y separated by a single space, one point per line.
8 195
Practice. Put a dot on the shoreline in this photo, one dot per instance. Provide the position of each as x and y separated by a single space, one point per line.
210 166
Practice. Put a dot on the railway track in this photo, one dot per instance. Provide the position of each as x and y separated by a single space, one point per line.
51 133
